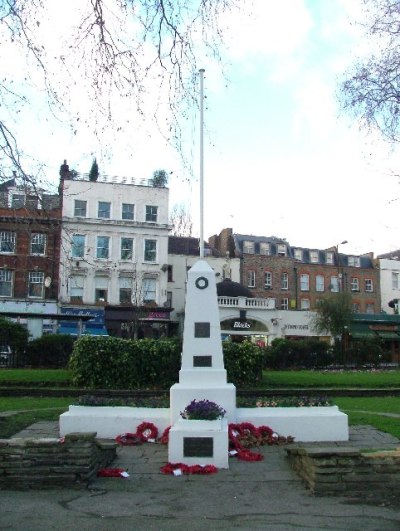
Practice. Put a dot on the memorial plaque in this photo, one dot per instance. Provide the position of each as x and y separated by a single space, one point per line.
201 329
198 446
202 361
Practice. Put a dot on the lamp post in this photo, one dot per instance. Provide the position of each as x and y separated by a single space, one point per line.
340 284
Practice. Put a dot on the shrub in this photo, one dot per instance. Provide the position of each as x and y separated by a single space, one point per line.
305 353
16 337
243 362
52 350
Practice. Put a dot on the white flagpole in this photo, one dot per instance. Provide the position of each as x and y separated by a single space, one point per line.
201 162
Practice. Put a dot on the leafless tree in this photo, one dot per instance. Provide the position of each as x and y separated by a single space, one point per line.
181 221
371 89
107 53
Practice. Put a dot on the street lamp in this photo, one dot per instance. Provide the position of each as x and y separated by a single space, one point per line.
340 284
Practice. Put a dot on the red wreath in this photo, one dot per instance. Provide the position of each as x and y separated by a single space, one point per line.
146 431
110 473
170 468
128 439
164 439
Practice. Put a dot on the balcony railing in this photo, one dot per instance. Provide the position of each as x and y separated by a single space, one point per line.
102 178
244 302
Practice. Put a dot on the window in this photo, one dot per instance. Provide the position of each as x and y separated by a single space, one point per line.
281 249
80 208
100 289
76 288
284 304
248 247
370 307
6 283
151 213
354 261
38 244
298 254
150 250
251 279
305 304
103 243
125 290
356 307
284 281
149 290
169 299
268 280
104 210
126 248
78 246
329 257
334 284
369 285
314 258
319 283
305 282
128 211
265 248
17 201
35 284
355 284
395 280
7 242
170 276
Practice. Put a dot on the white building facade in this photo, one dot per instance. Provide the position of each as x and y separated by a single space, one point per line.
390 282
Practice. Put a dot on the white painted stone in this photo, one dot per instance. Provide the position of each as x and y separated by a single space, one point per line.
215 429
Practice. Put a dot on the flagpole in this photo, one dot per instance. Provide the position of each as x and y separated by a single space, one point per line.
201 162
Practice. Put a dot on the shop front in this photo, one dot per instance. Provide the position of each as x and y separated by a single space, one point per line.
132 322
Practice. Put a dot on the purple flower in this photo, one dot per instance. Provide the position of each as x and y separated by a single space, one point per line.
203 410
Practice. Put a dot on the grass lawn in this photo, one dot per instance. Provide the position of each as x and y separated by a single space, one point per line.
25 376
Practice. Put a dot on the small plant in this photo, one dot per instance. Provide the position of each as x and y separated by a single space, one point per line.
203 410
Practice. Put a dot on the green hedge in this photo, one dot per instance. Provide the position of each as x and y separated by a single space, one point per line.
113 363
53 350
305 353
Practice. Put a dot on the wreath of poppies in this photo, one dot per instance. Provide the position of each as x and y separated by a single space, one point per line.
181 468
145 432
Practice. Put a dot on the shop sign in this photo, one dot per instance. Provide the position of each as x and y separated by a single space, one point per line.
241 325
296 327
158 315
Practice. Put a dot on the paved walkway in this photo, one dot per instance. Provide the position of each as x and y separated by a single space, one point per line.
262 495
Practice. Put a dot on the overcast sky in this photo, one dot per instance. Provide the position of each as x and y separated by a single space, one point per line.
280 157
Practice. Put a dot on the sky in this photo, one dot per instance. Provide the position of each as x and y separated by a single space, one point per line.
280 156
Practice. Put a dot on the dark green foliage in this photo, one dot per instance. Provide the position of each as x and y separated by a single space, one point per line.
367 351
53 350
160 178
94 171
16 336
243 362
114 363
305 353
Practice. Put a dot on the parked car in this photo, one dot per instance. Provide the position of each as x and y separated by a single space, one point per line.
5 355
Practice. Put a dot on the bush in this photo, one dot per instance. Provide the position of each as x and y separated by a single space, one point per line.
114 363
300 354
16 337
53 350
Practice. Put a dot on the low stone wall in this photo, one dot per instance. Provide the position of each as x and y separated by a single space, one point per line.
45 463
347 471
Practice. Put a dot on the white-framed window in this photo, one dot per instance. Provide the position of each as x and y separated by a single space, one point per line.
285 303
151 213
7 242
126 248
265 248
35 284
149 289
354 261
369 285
284 281
103 247
18 201
76 288
251 279
78 246
104 210
100 288
298 254
80 208
38 244
395 280
150 250
334 284
128 211
370 307
356 307
268 280
320 283
125 290
304 282
248 247
355 284
304 304
282 249
314 257
329 257
6 283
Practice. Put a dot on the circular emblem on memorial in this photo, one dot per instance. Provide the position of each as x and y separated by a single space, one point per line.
201 283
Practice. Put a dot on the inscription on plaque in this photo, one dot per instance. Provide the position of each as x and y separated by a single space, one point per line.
198 447
201 329
202 361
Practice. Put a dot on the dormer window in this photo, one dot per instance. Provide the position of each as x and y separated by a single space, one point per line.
265 248
281 249
354 261
298 254
314 257
329 257
248 247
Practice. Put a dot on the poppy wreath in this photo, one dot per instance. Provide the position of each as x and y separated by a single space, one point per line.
128 439
170 468
146 431
164 439
110 473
